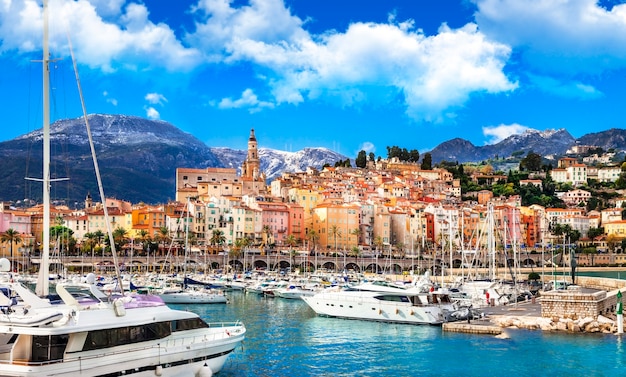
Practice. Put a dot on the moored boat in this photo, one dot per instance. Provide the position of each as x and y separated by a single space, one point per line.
399 307
90 334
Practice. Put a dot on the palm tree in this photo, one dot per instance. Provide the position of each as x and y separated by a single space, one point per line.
163 236
313 237
355 252
217 238
291 241
267 233
90 240
63 234
11 236
357 233
378 241
144 237
119 237
335 232
239 247
99 236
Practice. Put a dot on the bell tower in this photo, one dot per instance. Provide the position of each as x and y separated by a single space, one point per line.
252 165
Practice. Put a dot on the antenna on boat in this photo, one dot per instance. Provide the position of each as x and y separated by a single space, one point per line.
97 169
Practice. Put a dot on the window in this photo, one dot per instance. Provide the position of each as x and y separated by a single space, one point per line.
126 335
49 347
188 324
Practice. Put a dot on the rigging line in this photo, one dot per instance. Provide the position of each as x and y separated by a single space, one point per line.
96 168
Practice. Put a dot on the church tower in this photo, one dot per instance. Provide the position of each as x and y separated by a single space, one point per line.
252 165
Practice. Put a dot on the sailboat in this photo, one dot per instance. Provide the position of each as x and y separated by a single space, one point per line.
189 293
92 334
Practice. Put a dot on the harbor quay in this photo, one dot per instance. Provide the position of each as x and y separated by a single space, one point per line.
297 261
588 304
593 305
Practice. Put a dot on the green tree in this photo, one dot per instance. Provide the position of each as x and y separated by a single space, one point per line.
217 238
291 241
427 161
91 240
64 235
145 239
532 162
357 233
11 236
378 241
335 232
162 237
372 157
361 159
595 232
313 237
120 236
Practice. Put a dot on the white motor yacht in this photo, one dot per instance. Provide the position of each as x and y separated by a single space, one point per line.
400 307
92 334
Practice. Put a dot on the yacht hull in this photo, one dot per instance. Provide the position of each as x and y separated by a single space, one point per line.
369 306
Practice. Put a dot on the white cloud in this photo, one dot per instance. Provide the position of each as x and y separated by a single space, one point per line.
567 89
367 147
110 100
104 35
247 100
152 113
572 36
496 134
368 63
155 98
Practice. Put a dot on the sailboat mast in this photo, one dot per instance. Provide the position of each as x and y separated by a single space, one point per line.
45 256
491 242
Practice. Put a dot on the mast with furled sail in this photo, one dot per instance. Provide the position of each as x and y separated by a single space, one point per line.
42 288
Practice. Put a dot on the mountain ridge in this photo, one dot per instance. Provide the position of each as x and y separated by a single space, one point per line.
138 157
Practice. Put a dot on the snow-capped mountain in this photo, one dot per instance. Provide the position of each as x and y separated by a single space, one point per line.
274 162
137 157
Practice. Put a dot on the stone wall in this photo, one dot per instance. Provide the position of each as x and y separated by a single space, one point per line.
605 284
575 303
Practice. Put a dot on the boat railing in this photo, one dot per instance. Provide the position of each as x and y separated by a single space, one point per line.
225 324
230 329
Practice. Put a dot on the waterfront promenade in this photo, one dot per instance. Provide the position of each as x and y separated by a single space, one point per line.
283 261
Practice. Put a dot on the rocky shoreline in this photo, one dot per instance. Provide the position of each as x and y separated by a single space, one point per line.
602 324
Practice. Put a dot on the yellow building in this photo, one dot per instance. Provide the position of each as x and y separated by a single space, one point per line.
335 223
616 228
148 218
308 198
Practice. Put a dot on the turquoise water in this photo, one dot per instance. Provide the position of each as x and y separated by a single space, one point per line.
286 338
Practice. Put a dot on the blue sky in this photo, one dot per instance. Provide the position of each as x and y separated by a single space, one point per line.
347 75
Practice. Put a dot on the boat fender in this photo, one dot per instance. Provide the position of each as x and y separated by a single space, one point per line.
397 310
61 322
158 370
118 308
380 311
205 371
227 332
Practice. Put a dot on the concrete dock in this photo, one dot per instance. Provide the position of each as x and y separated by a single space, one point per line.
477 327
485 326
